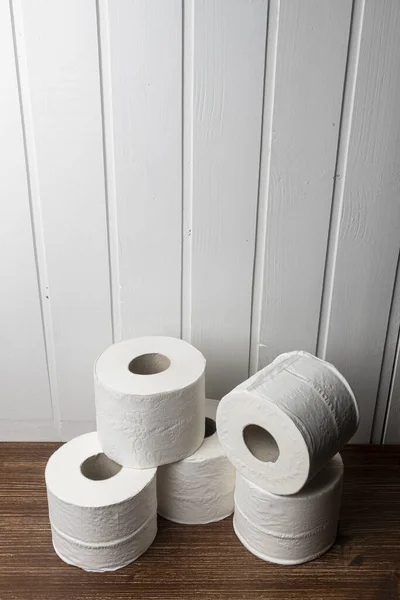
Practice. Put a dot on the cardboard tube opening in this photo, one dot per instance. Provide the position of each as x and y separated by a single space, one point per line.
99 467
149 364
261 443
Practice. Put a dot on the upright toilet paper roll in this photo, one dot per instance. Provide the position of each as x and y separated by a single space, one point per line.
282 425
103 516
290 530
150 401
198 489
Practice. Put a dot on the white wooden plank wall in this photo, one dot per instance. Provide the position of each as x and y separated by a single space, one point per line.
224 115
387 413
363 255
26 407
141 52
227 171
57 50
304 89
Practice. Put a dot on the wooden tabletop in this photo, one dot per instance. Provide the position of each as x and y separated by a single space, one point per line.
208 561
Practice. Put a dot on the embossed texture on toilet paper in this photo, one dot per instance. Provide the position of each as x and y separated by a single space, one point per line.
290 529
103 516
281 426
152 413
198 489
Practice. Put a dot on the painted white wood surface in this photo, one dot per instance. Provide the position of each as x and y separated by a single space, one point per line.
141 51
392 423
387 401
58 57
224 116
366 238
223 170
303 98
25 392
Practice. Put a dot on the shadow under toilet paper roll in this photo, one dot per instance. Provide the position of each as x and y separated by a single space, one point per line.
281 426
103 516
198 489
294 529
150 401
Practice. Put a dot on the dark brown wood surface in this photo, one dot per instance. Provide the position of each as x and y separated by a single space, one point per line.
205 561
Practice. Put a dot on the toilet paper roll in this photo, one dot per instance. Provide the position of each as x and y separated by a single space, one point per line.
290 530
198 489
282 425
150 401
103 516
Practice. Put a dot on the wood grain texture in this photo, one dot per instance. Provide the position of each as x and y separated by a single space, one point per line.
25 393
141 50
206 562
225 116
303 97
366 234
58 56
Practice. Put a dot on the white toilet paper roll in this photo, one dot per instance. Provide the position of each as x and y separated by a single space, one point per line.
103 516
290 530
150 401
198 489
282 425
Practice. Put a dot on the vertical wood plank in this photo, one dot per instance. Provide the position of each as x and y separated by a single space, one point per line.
304 88
386 400
392 424
58 49
142 79
25 393
225 117
367 233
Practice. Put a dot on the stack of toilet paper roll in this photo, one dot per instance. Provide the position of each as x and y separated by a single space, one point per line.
282 430
151 416
160 446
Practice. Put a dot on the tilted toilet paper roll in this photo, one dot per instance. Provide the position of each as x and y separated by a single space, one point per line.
103 516
198 489
290 530
150 401
281 426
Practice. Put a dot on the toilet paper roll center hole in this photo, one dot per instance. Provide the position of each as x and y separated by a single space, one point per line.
149 364
261 443
99 467
210 428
